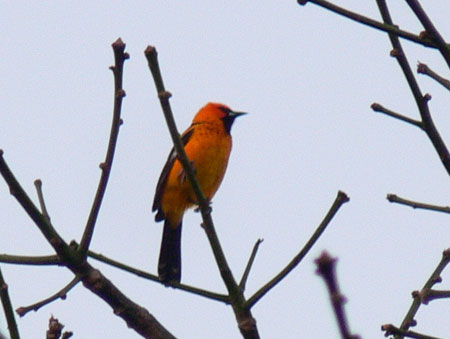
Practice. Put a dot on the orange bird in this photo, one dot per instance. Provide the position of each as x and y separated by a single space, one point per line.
207 143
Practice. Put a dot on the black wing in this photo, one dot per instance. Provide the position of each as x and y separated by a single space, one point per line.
165 174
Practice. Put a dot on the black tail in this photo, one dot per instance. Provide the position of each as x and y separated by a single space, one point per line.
169 265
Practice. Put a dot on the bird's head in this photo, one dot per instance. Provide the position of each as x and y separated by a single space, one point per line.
214 112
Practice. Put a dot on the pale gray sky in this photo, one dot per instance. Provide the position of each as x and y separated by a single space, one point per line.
307 78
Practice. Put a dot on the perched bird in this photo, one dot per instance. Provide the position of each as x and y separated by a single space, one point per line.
207 143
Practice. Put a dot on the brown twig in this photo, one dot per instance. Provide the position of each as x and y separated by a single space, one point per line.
120 56
424 69
414 204
249 265
142 274
338 202
421 100
47 260
385 27
8 309
430 29
44 225
38 184
379 108
427 295
136 317
61 294
246 322
408 321
390 329
326 268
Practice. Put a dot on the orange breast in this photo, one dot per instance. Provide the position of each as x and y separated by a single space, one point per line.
209 149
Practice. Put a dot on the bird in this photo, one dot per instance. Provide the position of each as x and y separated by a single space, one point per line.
207 143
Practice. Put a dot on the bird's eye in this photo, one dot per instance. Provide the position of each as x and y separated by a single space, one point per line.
226 110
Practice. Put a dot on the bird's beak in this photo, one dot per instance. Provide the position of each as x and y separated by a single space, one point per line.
236 114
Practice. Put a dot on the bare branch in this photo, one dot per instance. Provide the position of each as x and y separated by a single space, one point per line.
44 225
379 108
249 265
38 184
148 276
421 100
430 29
341 199
136 317
8 309
414 204
427 295
47 260
385 27
61 294
120 56
408 321
390 329
326 268
424 69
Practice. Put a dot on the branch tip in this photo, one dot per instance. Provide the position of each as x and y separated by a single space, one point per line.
302 2
376 107
325 263
118 45
446 254
343 197
427 97
421 68
151 51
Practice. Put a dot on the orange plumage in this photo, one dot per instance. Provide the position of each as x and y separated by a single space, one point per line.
207 143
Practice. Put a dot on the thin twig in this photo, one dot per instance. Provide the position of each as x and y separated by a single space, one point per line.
136 317
414 204
246 322
326 268
338 202
30 208
249 265
421 100
424 69
47 260
390 329
430 29
120 56
379 108
61 294
8 309
427 295
142 274
389 28
38 184
408 321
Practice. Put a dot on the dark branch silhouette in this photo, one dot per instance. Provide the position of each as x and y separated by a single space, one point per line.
326 268
136 317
